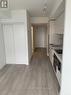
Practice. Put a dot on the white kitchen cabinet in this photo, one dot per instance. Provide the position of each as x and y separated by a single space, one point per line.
59 24
51 30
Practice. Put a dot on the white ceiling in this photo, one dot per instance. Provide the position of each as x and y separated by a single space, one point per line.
35 7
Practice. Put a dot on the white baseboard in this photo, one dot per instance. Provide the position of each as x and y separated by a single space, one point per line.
19 63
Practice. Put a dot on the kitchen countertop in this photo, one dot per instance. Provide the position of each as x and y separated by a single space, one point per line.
59 56
55 47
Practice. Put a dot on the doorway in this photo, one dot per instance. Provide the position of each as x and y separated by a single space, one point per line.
39 37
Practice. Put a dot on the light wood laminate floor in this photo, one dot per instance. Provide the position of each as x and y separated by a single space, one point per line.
36 79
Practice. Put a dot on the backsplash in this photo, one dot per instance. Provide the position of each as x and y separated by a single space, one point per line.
58 39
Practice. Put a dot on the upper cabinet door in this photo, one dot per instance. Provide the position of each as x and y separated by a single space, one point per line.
51 31
9 43
59 24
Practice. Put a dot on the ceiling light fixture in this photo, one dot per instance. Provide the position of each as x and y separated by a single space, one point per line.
3 3
45 9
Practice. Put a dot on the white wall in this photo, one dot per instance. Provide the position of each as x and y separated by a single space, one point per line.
32 35
66 68
19 14
5 13
29 37
2 49
9 43
47 40
21 47
36 20
40 36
